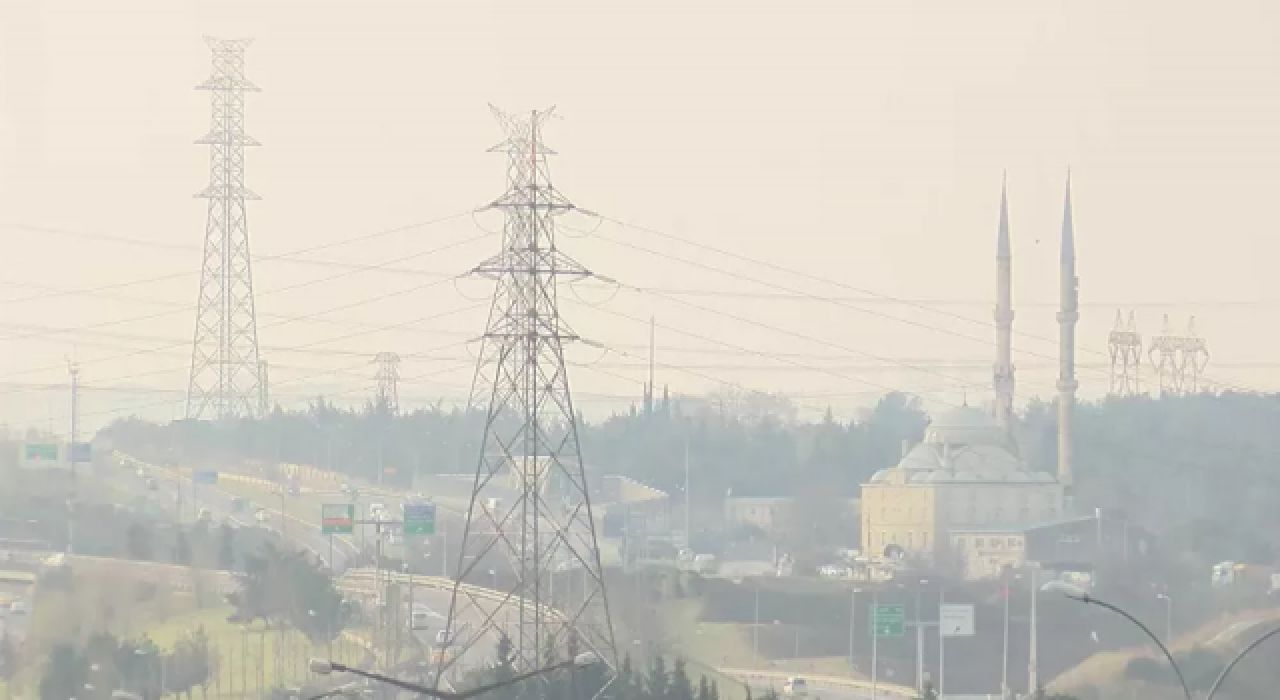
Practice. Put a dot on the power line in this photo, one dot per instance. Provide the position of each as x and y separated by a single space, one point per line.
832 300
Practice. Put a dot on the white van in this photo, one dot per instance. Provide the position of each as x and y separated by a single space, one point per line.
795 687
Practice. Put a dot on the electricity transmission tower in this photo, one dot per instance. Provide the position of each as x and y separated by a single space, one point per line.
388 378
1182 359
226 376
1125 344
536 521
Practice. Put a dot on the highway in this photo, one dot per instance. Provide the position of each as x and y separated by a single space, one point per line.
297 519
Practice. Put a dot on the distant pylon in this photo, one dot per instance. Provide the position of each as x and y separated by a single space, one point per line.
388 378
1125 344
542 523
1195 357
225 375
1182 359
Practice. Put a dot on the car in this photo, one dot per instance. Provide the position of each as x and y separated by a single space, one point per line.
152 484
205 515
18 607
261 515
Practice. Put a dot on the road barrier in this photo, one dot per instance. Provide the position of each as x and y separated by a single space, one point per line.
775 679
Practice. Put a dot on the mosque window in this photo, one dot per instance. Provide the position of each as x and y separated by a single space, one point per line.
960 542
978 543
911 540
1014 543
924 540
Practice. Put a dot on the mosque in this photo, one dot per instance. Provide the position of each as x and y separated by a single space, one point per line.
963 498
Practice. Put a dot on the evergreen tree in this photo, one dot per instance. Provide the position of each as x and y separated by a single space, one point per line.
139 542
226 548
657 684
182 550
681 687
704 689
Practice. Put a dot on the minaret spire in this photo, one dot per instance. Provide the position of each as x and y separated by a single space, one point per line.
1067 316
1003 379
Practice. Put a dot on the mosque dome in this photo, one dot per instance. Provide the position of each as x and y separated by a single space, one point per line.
922 457
965 426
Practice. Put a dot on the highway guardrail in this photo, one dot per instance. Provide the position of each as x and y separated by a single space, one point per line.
777 678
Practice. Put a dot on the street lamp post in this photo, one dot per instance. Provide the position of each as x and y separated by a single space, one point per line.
1168 617
325 667
1079 594
853 619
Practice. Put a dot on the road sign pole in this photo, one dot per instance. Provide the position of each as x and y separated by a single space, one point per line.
942 643
875 642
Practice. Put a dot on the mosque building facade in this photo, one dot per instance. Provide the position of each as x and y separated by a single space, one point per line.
965 483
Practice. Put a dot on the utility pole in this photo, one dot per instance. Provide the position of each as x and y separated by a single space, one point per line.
226 375
74 370
531 430
264 389
875 642
648 387
1004 658
688 499
920 637
1033 674
853 625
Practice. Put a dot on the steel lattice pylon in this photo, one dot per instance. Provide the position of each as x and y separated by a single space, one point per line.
543 524
388 378
226 376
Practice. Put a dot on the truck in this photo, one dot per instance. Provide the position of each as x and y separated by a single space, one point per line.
1257 577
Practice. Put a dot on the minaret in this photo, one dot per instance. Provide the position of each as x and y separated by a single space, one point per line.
1004 321
1067 316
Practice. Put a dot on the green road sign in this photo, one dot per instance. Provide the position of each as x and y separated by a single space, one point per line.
888 620
337 518
419 518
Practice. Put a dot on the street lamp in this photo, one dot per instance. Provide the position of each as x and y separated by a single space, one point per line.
325 667
1168 617
1077 593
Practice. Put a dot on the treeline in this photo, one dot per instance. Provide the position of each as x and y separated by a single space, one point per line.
105 664
1204 470
733 443
657 682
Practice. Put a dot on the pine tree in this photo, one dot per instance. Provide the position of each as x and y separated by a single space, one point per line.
657 684
704 689
181 550
226 548
681 687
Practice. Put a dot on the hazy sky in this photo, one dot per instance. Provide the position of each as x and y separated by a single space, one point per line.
858 142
